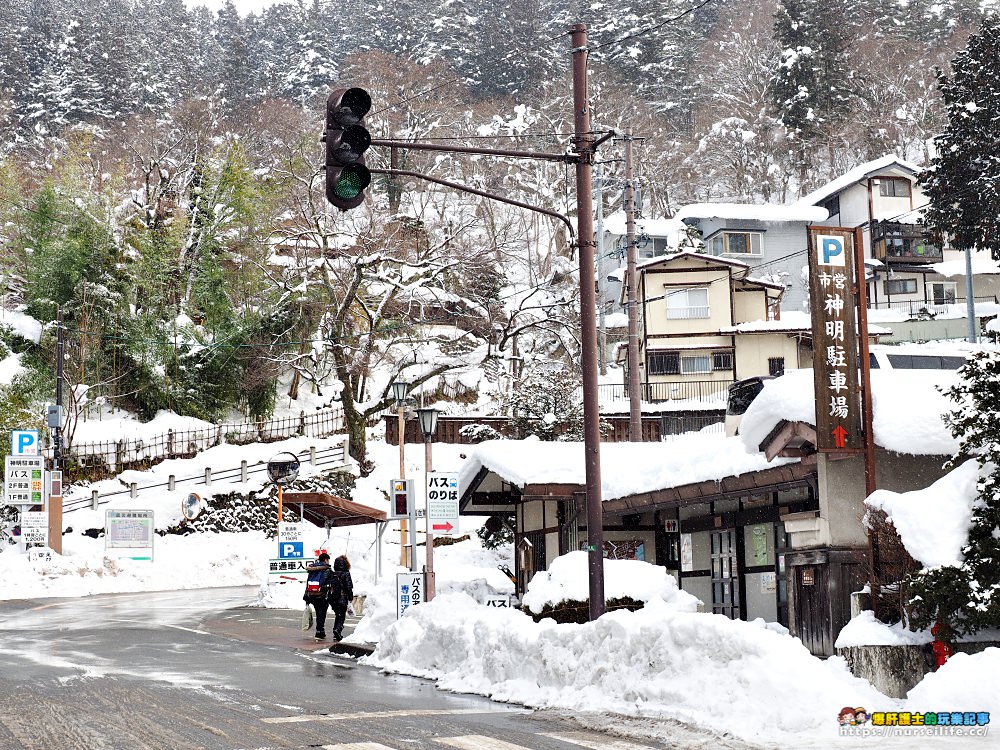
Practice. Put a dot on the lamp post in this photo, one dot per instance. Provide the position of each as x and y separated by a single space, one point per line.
399 389
428 424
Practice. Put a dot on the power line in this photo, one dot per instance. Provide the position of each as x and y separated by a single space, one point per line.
660 25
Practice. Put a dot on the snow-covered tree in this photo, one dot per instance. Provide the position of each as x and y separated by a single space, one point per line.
963 180
966 598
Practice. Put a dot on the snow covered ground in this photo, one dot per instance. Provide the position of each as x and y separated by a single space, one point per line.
750 681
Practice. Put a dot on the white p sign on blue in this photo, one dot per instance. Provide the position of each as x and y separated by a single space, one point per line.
290 550
831 250
24 442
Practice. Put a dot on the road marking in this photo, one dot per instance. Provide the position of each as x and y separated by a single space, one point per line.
367 715
357 746
479 742
587 740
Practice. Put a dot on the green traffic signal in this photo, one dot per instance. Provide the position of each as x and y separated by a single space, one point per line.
346 141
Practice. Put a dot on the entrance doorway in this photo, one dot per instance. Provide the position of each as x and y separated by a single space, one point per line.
726 579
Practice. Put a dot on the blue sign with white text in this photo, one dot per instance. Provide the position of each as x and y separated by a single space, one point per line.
287 550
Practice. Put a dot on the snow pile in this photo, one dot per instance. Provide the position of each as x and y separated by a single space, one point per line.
659 662
464 568
566 580
21 324
966 682
865 630
934 522
907 409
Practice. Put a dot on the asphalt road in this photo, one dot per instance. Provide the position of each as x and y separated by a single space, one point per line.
182 670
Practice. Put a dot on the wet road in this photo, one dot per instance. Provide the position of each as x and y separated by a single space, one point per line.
140 671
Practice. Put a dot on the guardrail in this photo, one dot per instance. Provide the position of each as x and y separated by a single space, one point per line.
916 307
682 390
335 455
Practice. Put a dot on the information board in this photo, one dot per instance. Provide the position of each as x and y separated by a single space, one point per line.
281 569
24 480
129 534
35 527
442 502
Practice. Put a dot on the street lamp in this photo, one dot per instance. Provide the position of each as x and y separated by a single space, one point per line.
428 418
399 389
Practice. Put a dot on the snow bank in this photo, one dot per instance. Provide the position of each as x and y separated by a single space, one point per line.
567 580
967 682
934 522
704 669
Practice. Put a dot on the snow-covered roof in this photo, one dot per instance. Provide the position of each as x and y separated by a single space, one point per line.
982 265
627 468
907 409
857 174
615 224
694 256
791 321
754 212
934 522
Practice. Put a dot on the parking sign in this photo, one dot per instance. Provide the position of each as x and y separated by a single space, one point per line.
24 442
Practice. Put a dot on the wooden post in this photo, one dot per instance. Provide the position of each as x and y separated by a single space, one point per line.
94 500
133 489
243 471
171 482
208 476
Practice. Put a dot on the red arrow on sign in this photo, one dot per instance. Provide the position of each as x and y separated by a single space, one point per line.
447 527
840 435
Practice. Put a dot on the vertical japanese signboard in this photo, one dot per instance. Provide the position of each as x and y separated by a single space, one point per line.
409 591
835 360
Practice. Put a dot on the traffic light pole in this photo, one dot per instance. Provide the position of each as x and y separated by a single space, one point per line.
585 144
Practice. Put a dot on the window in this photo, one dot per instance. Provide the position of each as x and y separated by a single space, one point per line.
944 292
722 361
663 363
696 364
685 304
737 243
901 286
832 205
894 187
776 366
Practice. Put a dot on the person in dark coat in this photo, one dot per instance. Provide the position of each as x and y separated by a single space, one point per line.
319 570
341 596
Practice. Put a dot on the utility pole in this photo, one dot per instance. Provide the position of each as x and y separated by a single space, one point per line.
634 397
583 143
602 282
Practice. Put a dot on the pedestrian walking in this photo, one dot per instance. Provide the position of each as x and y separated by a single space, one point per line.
318 591
341 594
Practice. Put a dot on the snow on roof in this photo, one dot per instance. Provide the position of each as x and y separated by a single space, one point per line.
855 175
628 468
907 409
693 255
615 224
934 522
754 212
791 320
982 265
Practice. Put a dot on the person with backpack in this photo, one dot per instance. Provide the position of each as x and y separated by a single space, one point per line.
341 594
318 591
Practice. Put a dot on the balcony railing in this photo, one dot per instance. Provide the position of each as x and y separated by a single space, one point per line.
684 390
895 241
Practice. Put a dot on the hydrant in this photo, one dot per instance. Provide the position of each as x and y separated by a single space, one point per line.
940 650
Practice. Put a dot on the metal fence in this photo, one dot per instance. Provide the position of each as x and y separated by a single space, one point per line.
683 390
94 459
918 307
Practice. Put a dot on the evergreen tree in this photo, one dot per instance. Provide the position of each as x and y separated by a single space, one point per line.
966 598
963 181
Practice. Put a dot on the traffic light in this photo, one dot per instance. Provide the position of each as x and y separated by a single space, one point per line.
401 498
346 142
